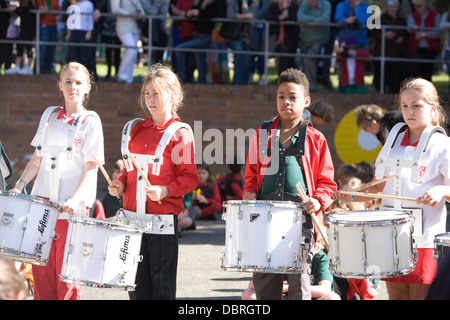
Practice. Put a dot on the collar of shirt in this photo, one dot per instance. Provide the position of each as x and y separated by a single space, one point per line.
62 115
405 140
160 126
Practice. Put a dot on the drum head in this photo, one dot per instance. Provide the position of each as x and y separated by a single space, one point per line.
443 238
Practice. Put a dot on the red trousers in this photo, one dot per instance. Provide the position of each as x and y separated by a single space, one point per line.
47 285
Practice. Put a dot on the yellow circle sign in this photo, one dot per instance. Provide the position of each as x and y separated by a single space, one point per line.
354 145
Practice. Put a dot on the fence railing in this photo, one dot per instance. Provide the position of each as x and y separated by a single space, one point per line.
266 53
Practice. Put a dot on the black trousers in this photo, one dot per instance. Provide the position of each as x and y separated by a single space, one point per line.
156 277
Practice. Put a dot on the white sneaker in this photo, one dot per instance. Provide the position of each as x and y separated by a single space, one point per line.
13 70
26 70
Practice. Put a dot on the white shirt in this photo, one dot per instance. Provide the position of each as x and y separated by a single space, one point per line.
88 139
434 169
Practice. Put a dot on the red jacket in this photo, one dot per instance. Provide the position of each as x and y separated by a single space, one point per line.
317 164
178 178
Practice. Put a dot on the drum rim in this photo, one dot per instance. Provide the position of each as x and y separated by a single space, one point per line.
260 202
406 217
31 197
21 256
105 224
95 284
439 238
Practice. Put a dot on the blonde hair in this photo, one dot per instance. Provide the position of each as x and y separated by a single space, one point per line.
76 66
429 93
163 79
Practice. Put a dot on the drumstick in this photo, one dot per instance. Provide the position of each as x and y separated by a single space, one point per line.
373 183
104 173
142 174
376 195
304 197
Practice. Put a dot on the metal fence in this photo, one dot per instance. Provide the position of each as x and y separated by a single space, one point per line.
266 53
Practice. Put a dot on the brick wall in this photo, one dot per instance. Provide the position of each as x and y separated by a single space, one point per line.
24 98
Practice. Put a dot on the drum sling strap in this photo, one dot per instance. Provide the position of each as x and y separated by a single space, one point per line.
398 164
299 285
143 160
65 147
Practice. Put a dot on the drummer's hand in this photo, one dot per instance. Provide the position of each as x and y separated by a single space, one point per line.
15 190
432 197
70 206
337 195
156 193
311 205
249 196
116 189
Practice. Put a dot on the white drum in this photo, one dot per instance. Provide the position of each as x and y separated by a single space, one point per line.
102 253
441 245
371 244
27 227
262 236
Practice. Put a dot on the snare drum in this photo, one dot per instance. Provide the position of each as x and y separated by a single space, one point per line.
441 245
27 227
371 244
262 236
102 253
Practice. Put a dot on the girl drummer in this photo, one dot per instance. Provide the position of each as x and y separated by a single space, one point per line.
161 96
420 107
76 178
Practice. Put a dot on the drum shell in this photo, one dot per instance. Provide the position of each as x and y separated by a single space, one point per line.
371 244
102 254
441 245
262 236
27 227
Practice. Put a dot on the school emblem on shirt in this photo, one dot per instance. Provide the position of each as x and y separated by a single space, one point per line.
421 173
76 144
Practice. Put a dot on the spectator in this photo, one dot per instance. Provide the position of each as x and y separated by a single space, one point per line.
109 36
27 33
395 46
371 118
4 22
286 36
201 12
182 31
47 33
423 43
242 10
159 35
445 25
353 14
351 75
319 112
81 33
128 31
313 37
257 62
207 195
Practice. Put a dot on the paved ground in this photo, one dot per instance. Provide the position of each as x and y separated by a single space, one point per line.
199 274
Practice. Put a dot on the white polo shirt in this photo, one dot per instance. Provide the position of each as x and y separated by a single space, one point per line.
434 169
88 139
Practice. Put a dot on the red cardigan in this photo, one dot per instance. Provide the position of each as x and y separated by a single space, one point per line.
359 68
430 21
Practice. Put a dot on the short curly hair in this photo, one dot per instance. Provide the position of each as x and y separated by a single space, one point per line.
296 76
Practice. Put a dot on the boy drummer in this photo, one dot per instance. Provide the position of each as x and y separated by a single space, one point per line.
282 153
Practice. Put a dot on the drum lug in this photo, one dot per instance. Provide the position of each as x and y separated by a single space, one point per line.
269 258
394 244
364 250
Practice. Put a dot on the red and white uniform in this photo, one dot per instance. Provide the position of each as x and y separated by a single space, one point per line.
434 169
52 145
178 171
